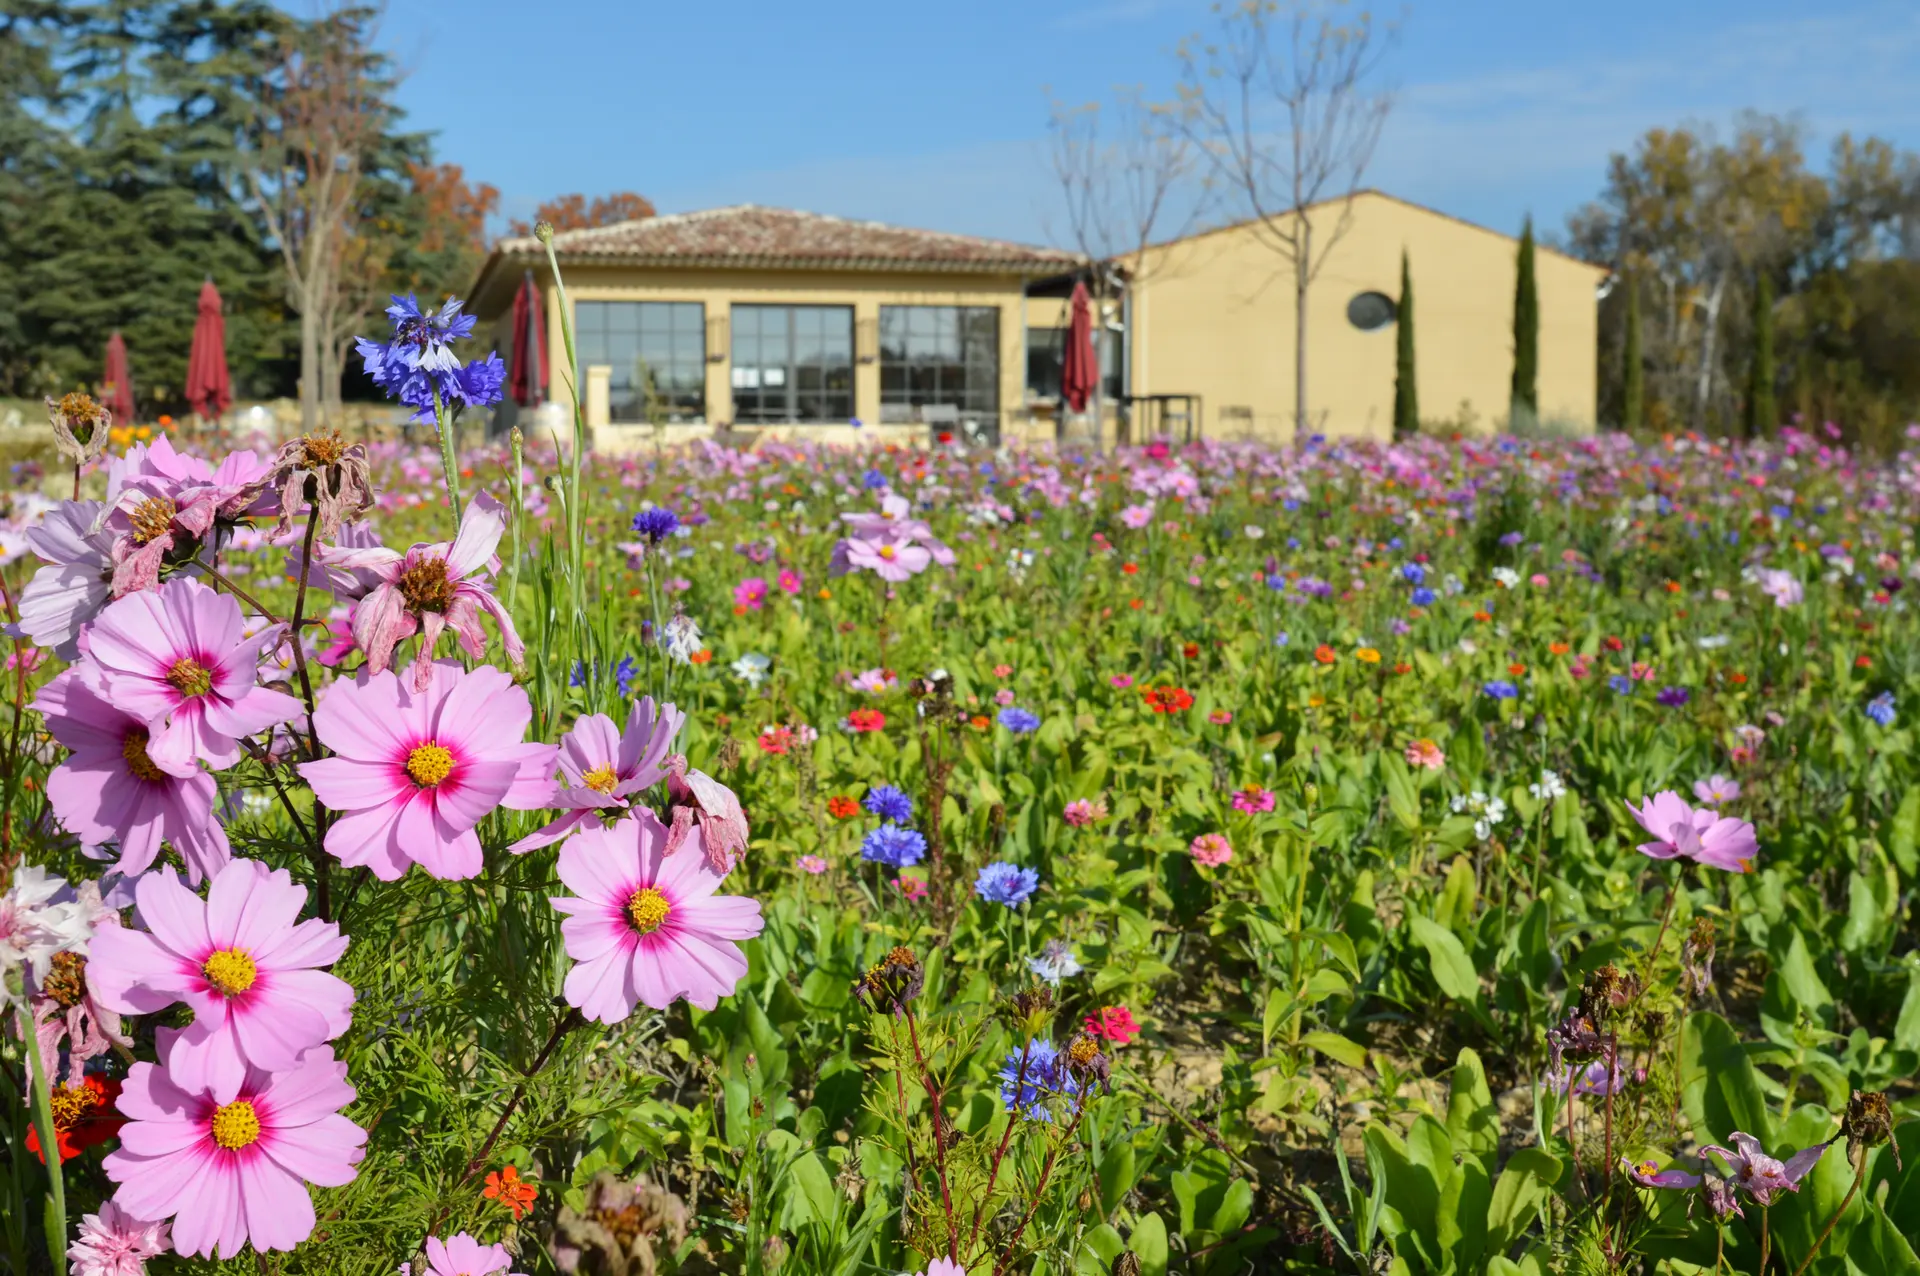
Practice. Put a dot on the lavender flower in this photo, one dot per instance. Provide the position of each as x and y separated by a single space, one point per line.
888 803
1004 883
893 846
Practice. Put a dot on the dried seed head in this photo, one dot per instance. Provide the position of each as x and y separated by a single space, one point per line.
80 426
1868 1122
1126 1264
892 982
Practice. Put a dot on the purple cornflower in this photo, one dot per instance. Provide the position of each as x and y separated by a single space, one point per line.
893 846
656 523
1672 697
888 803
1019 721
1004 883
1500 689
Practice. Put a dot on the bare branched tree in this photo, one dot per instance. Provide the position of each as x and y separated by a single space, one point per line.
1280 102
1124 171
324 112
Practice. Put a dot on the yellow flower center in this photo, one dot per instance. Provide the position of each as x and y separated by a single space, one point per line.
72 1103
429 764
323 449
425 586
601 779
230 970
649 910
151 518
189 677
134 750
66 981
887 552
236 1125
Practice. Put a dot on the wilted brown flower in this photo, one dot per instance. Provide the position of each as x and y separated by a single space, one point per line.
1089 1063
1868 1123
1126 1264
329 472
79 426
892 982
616 1234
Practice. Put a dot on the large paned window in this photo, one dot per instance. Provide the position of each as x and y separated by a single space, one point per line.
1047 354
658 353
939 355
792 364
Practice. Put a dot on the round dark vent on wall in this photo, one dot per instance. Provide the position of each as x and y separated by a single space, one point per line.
1370 310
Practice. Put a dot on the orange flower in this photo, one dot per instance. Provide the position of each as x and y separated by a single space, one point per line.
825 593
1131 569
701 657
1403 667
1325 654
1863 662
866 720
1516 669
842 808
1737 678
1367 655
1673 587
1482 617
1191 651
507 1188
978 722
1135 603
1558 648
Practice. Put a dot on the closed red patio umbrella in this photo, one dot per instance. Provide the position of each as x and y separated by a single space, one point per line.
527 375
1079 373
209 388
116 383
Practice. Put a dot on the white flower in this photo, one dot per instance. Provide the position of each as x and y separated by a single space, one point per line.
1713 642
40 915
681 638
1506 576
752 668
1549 787
1253 532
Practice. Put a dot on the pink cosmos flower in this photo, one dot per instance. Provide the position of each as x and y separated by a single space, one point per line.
944 1267
1717 790
1764 1177
1782 586
114 1243
697 799
1136 516
65 1003
178 658
227 1165
790 580
875 681
750 593
1253 800
239 959
76 581
890 560
461 1255
417 769
1703 835
1426 755
430 588
644 926
109 791
890 524
600 767
1004 696
1081 812
1211 849
812 864
162 504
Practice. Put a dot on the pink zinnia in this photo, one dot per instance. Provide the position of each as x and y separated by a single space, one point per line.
114 1243
1253 800
430 588
646 926
1081 812
461 1255
1115 1024
418 769
240 960
601 767
178 658
1704 836
109 790
1211 849
1426 755
1120 681
229 1166
750 593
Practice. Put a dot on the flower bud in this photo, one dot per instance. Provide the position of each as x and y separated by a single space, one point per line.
543 231
1127 1264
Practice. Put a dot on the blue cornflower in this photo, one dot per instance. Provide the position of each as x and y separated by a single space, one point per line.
418 360
1421 597
1031 1076
873 480
1055 962
1621 683
578 678
1511 539
1282 638
624 673
1880 709
1781 512
893 846
656 523
1276 582
1004 883
1500 689
1413 573
1672 697
888 803
1019 721
422 339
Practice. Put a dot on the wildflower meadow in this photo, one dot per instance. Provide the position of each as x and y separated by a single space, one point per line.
1460 855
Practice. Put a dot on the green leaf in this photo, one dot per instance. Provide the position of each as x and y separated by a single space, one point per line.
1451 968
1336 1047
1403 799
1116 1175
1235 1208
1455 908
1098 1250
1472 1119
1903 834
1518 1194
1722 1090
1148 1241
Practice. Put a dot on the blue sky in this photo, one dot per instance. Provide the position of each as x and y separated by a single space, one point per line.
935 115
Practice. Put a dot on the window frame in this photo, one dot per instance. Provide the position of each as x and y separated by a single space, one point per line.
682 323
961 377
800 380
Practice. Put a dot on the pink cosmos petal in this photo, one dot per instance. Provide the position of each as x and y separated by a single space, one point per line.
726 916
482 524
365 838
116 958
346 784
279 1212
602 989
175 915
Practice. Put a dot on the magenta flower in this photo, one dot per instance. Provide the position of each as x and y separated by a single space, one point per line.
750 593
601 767
241 960
114 1243
75 583
1761 1176
417 769
1702 835
430 588
109 791
461 1255
228 1166
646 926
162 504
790 580
178 659
1210 849
1253 800
697 799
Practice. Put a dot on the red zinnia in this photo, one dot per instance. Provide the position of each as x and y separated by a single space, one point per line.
83 1115
1191 651
507 1188
1115 1024
1325 654
776 739
866 720
842 808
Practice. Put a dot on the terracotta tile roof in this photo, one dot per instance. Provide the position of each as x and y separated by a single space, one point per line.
749 235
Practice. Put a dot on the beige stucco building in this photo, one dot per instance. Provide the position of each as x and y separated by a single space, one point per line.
767 322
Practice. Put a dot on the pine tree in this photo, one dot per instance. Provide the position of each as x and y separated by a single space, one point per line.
1633 375
1406 391
1762 414
1525 405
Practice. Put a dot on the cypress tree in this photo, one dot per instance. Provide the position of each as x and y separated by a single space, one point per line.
1633 375
1525 405
1762 414
1406 392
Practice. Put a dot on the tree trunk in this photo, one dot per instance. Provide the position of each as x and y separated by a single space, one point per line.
309 369
1710 328
1302 277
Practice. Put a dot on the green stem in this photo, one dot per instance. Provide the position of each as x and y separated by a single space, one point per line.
56 1215
449 464
1859 1173
575 511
